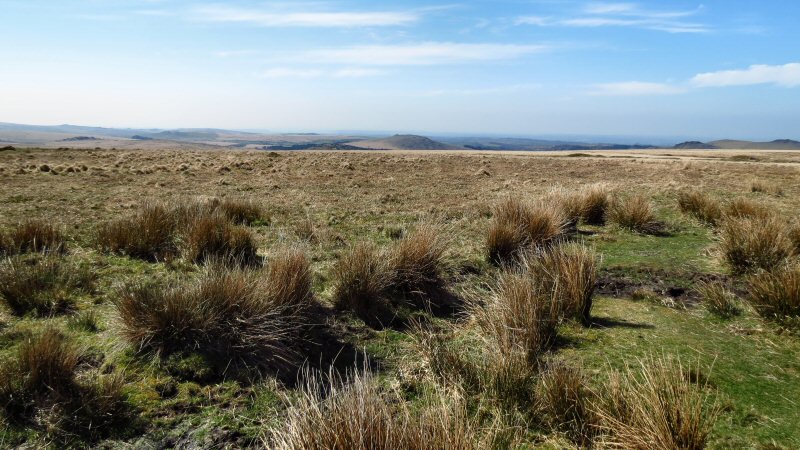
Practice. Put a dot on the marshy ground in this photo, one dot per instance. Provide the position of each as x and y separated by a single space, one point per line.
363 294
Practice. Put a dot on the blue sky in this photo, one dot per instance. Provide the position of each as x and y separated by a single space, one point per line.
721 68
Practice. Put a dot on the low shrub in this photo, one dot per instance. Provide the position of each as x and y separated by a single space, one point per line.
655 406
635 213
362 278
417 260
749 244
776 295
42 286
718 299
148 234
701 206
518 226
233 317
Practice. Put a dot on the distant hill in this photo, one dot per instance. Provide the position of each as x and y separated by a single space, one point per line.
780 144
694 145
403 142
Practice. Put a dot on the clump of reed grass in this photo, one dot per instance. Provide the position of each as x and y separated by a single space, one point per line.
518 226
635 213
42 286
148 234
655 405
416 262
362 279
750 244
33 236
701 206
718 299
776 295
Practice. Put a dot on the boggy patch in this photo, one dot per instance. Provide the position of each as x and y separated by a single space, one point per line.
675 285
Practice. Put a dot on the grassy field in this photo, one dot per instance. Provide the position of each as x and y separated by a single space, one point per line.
227 299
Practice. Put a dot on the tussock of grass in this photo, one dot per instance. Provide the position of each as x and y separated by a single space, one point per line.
148 234
595 200
357 413
655 406
743 208
362 278
213 237
41 286
749 244
40 385
518 226
417 260
565 400
701 206
33 236
231 316
776 295
635 213
765 187
521 316
239 211
718 299
569 271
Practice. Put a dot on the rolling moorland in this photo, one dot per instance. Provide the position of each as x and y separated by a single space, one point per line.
187 296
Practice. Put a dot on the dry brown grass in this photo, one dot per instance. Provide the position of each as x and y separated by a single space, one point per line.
564 399
232 316
148 234
40 385
568 270
417 261
595 200
635 213
240 211
794 236
213 237
518 226
356 413
776 295
750 244
718 299
700 205
362 277
33 236
765 187
521 316
655 406
289 279
743 208
42 286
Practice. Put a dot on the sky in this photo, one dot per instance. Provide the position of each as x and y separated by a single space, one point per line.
717 69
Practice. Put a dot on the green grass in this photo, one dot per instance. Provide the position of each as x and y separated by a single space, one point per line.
755 370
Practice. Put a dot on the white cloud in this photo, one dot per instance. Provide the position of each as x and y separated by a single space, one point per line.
787 75
635 88
514 88
623 15
428 53
305 74
303 19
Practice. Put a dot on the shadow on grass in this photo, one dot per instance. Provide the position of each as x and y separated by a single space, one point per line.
609 322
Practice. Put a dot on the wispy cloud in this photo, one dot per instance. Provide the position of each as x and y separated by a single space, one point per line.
494 90
787 75
631 15
427 53
637 88
305 74
288 18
